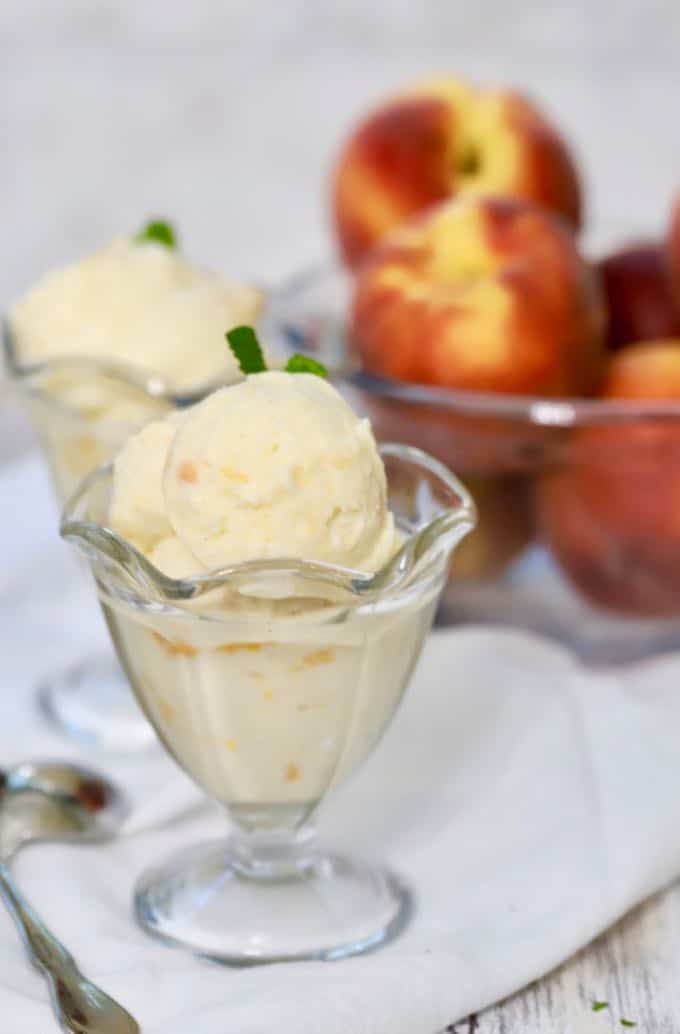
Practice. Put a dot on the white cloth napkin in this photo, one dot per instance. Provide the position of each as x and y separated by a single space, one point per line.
528 803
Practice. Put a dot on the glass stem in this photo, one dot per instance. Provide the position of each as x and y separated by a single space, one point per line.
273 854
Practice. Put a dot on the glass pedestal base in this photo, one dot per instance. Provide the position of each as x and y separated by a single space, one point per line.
323 907
93 703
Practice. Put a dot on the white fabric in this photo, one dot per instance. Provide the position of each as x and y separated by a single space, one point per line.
528 803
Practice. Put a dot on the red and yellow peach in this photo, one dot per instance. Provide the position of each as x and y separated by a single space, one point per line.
444 139
611 510
640 299
486 294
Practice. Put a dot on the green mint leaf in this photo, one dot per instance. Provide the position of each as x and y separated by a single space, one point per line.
304 364
599 1006
245 346
160 232
628 1023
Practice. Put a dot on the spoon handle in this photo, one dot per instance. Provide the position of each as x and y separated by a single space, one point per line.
80 1006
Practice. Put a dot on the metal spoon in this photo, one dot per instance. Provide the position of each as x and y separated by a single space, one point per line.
59 802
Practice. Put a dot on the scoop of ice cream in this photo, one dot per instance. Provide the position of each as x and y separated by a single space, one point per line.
137 508
275 466
138 303
278 466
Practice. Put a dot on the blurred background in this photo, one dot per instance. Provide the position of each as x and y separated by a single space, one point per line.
224 115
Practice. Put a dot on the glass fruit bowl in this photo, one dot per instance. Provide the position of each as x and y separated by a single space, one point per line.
578 536
269 682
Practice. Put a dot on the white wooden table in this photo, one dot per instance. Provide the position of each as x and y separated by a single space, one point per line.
635 967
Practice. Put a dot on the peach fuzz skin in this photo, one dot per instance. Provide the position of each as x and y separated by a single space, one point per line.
611 513
443 139
485 294
640 299
673 249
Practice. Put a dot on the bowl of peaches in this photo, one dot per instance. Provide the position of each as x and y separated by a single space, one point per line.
466 317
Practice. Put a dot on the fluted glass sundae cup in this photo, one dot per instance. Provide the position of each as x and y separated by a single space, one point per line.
270 682
83 410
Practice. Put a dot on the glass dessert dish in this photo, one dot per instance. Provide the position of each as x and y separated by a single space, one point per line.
577 537
83 410
269 682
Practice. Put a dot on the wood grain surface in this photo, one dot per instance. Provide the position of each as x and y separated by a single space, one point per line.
635 967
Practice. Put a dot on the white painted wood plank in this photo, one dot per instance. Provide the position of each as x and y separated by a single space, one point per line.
635 967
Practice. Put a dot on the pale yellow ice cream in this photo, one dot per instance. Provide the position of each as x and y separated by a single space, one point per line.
275 466
267 701
137 303
138 507
131 305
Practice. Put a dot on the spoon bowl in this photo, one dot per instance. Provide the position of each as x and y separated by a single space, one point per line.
82 803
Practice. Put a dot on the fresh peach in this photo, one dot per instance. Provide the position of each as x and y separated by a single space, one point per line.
443 139
610 507
484 294
673 249
640 299
505 527
648 372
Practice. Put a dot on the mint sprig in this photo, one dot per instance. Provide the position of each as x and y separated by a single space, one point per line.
159 232
305 364
244 343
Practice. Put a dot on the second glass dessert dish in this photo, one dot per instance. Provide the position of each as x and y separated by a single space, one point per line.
82 412
269 682
95 351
